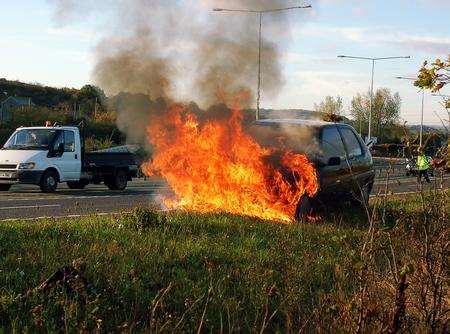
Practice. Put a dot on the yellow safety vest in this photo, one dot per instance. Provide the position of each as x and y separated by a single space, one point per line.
422 162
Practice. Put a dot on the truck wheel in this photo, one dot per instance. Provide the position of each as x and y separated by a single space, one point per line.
119 182
49 182
5 187
77 184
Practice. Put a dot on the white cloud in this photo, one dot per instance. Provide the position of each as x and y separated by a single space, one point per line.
381 35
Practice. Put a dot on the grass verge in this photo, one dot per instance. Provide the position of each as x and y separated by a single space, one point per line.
182 272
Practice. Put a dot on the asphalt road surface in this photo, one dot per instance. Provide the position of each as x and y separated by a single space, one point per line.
28 202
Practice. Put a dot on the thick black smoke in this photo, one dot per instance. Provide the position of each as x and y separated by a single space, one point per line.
158 48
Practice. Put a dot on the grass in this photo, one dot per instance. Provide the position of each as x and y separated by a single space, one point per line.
184 272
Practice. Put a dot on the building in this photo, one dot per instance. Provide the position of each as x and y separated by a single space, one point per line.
11 103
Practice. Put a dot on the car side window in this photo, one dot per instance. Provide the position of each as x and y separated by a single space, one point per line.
69 141
352 143
331 143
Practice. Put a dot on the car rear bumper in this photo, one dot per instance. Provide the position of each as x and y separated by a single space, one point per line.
21 176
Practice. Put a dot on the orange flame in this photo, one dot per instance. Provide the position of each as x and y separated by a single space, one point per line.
215 166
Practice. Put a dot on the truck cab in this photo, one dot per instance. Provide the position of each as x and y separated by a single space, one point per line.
46 156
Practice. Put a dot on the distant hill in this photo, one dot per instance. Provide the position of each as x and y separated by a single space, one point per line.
290 114
426 128
40 95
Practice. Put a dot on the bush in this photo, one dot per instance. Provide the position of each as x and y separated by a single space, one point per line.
144 218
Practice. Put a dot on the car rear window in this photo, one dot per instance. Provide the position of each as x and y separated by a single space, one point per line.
351 142
331 143
294 137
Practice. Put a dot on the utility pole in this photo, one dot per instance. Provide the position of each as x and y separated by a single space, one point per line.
95 108
260 14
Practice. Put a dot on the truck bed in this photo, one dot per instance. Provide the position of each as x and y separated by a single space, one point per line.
109 159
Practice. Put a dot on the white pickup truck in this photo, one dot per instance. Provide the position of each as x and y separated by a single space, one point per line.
46 156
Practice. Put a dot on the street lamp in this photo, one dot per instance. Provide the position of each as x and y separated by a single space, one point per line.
441 95
260 13
446 98
421 113
371 85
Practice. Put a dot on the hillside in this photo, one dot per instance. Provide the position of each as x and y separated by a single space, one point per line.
41 95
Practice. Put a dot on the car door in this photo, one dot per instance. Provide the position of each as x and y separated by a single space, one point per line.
68 163
356 158
333 178
72 160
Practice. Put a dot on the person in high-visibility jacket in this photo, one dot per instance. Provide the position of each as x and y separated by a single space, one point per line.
422 165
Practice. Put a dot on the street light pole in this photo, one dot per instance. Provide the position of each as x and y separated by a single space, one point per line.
421 118
422 109
260 13
258 98
371 86
371 102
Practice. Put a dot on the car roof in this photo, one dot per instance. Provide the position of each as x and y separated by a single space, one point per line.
48 128
302 122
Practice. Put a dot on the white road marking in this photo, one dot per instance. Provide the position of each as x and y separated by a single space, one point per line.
394 194
30 207
63 197
62 217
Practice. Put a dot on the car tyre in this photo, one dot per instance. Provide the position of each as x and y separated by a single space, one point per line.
5 187
119 182
305 209
77 184
363 198
49 182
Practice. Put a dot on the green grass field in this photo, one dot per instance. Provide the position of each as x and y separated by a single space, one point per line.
182 272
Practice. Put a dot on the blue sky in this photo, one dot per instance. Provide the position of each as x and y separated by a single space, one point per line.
34 48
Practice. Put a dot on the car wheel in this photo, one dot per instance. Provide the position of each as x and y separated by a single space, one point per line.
119 182
305 208
5 187
49 182
364 196
77 184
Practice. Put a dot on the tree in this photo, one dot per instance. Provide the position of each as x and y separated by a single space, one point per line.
330 106
385 111
91 98
435 77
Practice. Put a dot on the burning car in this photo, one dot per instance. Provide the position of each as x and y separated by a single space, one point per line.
343 162
269 169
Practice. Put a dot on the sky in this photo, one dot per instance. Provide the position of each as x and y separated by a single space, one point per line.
34 47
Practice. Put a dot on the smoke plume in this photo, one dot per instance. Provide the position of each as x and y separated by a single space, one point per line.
178 51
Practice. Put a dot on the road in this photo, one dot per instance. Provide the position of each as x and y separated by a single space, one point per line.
29 203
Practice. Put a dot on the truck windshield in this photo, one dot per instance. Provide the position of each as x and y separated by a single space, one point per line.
30 139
